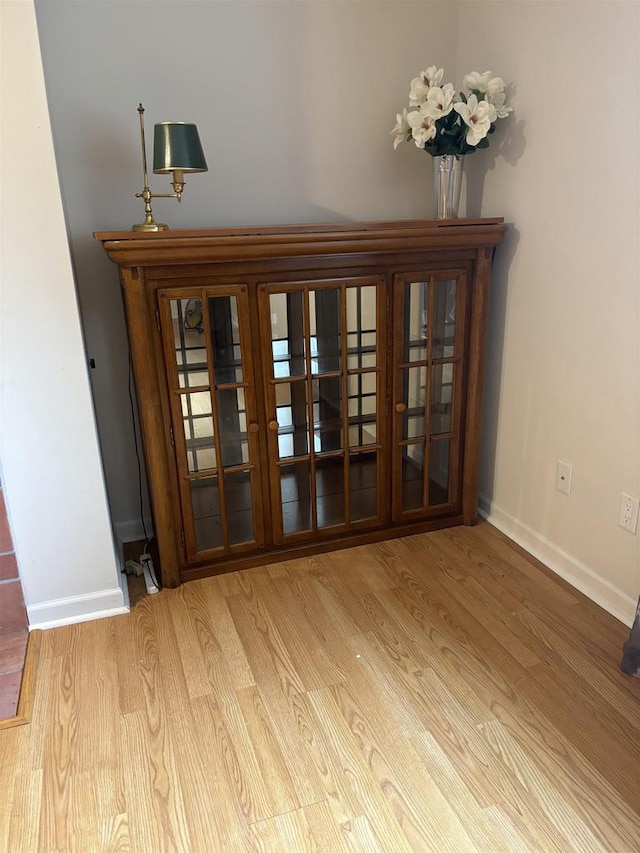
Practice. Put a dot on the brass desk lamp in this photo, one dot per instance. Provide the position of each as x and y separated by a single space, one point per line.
177 149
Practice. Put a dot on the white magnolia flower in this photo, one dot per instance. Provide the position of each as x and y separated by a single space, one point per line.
423 126
478 116
484 83
498 101
420 85
495 86
401 131
476 81
439 101
434 75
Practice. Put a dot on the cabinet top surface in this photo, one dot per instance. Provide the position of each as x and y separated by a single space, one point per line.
180 246
300 228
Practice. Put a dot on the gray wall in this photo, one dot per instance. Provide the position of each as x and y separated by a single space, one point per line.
294 102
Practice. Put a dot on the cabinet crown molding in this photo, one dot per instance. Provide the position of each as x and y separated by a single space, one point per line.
130 248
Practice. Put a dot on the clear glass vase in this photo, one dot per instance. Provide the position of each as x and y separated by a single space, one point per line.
447 180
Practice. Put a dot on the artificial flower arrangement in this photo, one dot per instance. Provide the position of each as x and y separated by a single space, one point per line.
443 124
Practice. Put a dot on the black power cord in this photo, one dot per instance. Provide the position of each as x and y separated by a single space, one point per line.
152 573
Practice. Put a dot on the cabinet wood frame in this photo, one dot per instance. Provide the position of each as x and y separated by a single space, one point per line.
431 275
250 258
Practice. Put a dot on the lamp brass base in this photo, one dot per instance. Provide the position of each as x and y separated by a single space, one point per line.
150 226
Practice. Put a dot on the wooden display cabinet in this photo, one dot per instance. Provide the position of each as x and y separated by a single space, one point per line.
308 387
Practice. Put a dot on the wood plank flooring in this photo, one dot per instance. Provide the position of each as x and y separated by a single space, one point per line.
435 693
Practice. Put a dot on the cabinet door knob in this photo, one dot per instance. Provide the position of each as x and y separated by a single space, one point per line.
253 427
400 407
273 426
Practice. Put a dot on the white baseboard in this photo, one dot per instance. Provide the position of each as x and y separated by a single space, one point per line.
79 608
570 569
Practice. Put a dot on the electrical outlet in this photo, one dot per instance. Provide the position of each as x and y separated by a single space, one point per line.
628 513
564 477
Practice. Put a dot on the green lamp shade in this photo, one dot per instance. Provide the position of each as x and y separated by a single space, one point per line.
176 145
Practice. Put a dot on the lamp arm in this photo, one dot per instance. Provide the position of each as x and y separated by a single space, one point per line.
148 194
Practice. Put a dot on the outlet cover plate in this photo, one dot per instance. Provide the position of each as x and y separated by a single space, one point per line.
564 477
628 513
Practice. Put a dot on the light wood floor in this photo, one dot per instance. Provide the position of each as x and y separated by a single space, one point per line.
434 693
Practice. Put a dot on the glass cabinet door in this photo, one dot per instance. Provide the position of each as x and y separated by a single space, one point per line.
214 419
427 412
324 372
